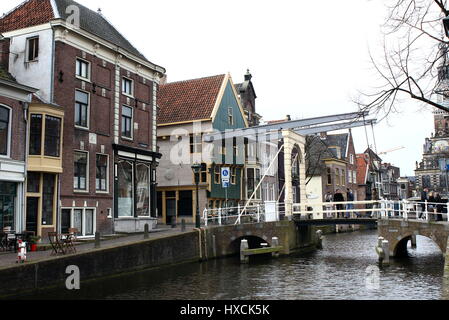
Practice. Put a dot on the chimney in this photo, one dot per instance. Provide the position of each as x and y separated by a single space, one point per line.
289 118
248 76
323 135
4 52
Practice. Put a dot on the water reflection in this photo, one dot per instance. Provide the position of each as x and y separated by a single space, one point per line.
336 272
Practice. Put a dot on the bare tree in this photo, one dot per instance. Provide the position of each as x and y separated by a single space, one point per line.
414 57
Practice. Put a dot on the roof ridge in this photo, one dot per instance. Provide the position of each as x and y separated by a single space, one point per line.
195 79
14 9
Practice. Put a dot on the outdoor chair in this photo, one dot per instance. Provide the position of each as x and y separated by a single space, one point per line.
56 243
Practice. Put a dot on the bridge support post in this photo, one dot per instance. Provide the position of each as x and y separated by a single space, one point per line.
244 246
386 251
319 239
275 243
414 241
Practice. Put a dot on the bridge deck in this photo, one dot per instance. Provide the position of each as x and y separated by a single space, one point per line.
330 222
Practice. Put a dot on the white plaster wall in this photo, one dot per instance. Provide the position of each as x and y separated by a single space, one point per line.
34 74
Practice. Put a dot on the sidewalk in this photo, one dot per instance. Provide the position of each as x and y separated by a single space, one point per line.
9 259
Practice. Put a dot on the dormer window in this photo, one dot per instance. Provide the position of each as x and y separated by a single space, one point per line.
32 49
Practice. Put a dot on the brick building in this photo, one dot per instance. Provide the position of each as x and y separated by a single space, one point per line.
108 90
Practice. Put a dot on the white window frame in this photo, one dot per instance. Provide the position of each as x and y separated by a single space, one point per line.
88 69
87 112
131 95
83 231
107 174
87 173
231 116
9 137
27 52
133 163
132 123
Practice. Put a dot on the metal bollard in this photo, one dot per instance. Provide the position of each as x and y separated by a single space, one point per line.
183 225
97 240
146 232
386 250
275 243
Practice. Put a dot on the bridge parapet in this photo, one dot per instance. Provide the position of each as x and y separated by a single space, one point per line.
399 232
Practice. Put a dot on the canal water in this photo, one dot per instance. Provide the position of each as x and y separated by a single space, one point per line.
346 269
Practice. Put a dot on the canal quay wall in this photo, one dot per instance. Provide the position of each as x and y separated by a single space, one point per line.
187 247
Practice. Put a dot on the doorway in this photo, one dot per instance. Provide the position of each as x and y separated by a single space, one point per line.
32 214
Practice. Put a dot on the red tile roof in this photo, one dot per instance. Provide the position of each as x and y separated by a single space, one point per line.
20 17
188 100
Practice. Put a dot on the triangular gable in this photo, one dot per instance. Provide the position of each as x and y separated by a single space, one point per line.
228 91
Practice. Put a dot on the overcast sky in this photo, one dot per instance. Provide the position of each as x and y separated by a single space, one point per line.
308 58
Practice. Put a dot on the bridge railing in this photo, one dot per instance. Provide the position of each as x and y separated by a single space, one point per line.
378 209
381 209
233 215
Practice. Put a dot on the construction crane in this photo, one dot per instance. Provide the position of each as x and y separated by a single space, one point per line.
391 150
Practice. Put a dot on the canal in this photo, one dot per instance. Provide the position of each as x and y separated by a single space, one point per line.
339 271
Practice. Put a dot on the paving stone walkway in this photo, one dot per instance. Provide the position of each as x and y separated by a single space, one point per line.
9 259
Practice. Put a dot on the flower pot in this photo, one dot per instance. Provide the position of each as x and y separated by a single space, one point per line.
33 247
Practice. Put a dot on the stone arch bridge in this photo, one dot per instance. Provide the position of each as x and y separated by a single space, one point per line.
399 232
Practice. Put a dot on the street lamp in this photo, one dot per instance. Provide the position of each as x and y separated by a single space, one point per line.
196 171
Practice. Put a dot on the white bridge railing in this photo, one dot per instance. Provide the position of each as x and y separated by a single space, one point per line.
381 209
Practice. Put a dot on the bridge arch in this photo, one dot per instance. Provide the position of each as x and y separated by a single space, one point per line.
399 247
254 242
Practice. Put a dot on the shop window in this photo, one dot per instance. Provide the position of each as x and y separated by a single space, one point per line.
125 189
143 190
4 130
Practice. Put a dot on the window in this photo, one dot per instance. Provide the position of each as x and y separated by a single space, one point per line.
217 175
33 49
36 135
52 136
52 143
81 109
82 69
143 190
127 120
203 173
352 159
102 173
4 130
33 182
127 86
250 182
80 171
337 177
230 116
329 176
81 219
258 194
196 145
125 189
343 178
233 175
